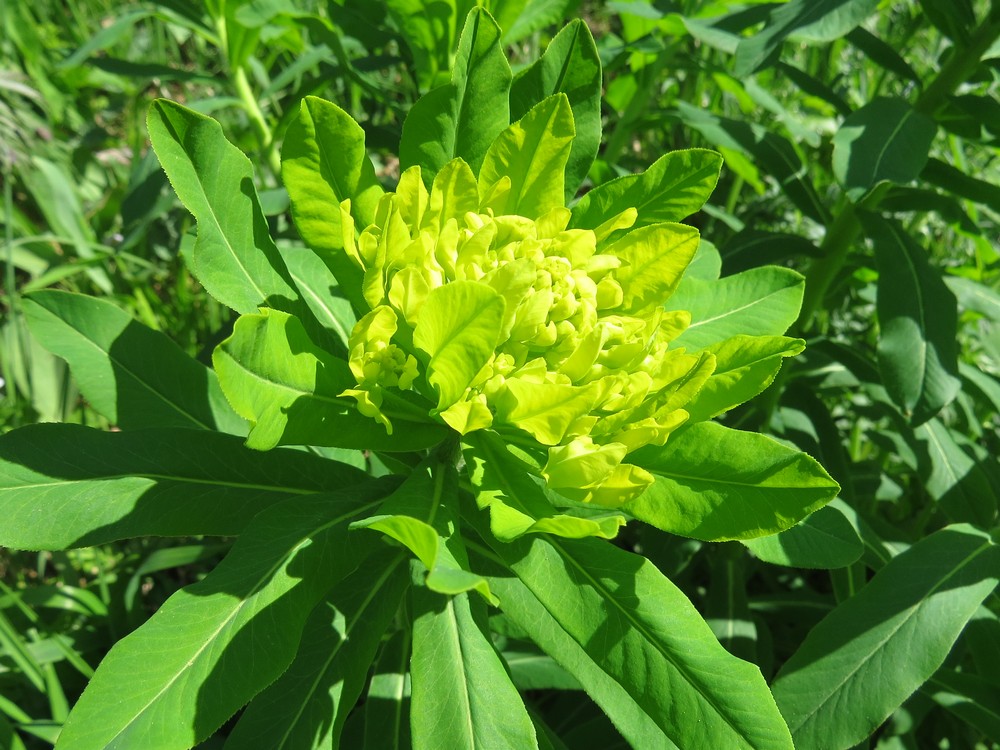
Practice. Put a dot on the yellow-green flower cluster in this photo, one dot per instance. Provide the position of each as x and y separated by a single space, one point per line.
523 325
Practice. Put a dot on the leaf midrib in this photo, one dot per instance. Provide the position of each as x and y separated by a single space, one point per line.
903 621
238 608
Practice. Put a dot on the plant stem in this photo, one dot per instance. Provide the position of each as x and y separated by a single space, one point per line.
264 134
846 226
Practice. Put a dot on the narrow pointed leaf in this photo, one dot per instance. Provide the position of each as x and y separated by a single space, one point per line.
884 140
570 65
463 117
744 367
387 703
307 706
867 656
628 620
675 186
132 375
94 487
759 302
234 256
917 348
220 641
462 696
715 483
324 163
825 539
956 474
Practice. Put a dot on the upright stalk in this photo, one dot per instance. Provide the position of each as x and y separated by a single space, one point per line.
846 226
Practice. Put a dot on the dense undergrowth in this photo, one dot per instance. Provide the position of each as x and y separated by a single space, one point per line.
859 148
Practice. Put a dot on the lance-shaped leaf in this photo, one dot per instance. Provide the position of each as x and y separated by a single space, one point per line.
973 699
957 475
868 655
759 302
817 19
715 483
289 388
234 256
387 703
419 516
885 140
671 189
463 117
570 65
918 344
600 609
825 539
219 642
516 500
308 705
132 375
66 485
744 367
323 164
458 329
461 694
532 153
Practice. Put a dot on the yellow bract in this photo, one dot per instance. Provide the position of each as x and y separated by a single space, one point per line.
550 331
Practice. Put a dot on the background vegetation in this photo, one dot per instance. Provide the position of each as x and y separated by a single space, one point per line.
862 147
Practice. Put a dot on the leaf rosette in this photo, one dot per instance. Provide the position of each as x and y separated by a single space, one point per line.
514 322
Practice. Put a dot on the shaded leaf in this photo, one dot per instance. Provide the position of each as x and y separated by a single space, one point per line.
132 375
220 641
834 690
917 348
824 539
95 487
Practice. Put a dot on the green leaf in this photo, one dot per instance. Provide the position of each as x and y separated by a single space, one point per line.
430 32
418 516
744 367
816 20
463 117
289 389
132 375
715 483
954 18
96 487
675 186
654 260
768 150
824 539
956 474
308 705
605 613
531 16
458 328
532 153
885 140
918 320
234 256
758 302
218 642
323 164
969 697
569 65
462 696
323 296
834 690
956 181
387 703
516 499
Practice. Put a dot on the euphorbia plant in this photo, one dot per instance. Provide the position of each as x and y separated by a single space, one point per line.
531 376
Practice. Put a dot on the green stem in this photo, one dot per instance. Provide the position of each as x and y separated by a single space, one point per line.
960 66
264 134
846 225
